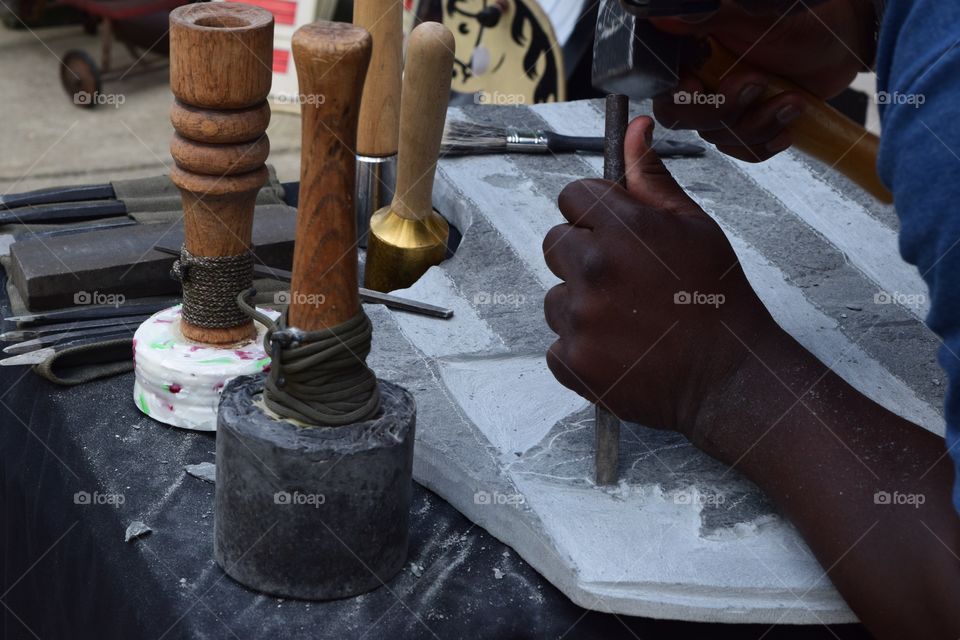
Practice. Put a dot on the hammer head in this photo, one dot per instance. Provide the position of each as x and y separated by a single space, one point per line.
630 56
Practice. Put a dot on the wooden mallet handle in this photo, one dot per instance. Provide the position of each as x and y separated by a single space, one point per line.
821 131
426 92
332 60
220 75
379 130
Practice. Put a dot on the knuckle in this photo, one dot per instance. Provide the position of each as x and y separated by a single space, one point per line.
553 305
557 362
553 238
593 264
583 315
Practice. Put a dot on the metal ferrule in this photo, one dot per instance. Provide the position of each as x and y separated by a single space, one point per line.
376 181
526 141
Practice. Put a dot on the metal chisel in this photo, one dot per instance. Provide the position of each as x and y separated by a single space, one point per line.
90 312
56 338
366 295
20 335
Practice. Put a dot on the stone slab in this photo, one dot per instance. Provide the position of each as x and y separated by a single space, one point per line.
681 536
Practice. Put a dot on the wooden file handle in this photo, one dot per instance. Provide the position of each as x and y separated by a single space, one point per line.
821 131
331 61
423 110
380 107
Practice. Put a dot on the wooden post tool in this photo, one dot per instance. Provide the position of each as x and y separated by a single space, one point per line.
607 425
409 237
379 126
304 384
313 485
331 62
220 75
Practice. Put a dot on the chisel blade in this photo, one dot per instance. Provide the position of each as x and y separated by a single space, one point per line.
57 195
20 335
90 313
53 339
26 359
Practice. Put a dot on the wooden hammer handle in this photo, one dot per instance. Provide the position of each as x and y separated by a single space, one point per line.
331 61
821 131
378 135
423 110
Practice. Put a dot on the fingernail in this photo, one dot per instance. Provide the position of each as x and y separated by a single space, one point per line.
788 114
750 93
649 137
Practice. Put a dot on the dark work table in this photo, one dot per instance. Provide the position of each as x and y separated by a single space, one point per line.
68 573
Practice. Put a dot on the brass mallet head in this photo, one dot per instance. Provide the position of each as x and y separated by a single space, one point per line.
409 237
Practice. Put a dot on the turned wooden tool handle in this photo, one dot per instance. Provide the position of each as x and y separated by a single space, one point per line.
426 91
220 76
821 131
331 60
379 128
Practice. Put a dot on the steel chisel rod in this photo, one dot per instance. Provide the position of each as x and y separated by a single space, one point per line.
607 452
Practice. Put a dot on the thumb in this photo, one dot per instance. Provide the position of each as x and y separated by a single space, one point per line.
648 180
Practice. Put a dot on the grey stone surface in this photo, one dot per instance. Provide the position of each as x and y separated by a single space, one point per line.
136 529
206 471
681 536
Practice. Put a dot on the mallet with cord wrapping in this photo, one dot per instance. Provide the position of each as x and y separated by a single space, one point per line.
315 461
379 126
409 237
220 75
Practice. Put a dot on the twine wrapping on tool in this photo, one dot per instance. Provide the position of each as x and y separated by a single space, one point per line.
318 377
211 286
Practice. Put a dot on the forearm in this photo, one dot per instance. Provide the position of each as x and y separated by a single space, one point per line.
827 455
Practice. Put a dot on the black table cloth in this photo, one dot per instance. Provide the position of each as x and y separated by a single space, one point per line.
78 465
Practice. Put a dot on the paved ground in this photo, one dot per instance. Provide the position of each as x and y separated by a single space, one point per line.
47 140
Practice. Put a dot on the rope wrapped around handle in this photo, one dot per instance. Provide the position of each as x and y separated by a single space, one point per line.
318 377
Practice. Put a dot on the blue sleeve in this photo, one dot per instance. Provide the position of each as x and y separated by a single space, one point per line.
918 88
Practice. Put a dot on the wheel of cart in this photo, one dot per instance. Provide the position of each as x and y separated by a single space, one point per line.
80 78
140 25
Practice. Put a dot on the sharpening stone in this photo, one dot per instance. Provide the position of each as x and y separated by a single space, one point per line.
49 272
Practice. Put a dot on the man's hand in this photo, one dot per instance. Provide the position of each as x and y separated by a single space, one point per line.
657 322
654 307
820 47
